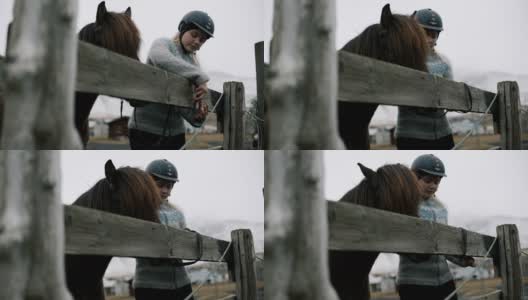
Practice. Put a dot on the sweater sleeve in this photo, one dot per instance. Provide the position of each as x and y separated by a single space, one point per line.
163 58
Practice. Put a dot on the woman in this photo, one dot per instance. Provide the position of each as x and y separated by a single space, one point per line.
161 126
156 278
424 128
428 276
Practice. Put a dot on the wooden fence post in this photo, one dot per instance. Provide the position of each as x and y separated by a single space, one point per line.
31 226
244 264
509 260
296 237
509 115
234 107
40 70
261 93
303 80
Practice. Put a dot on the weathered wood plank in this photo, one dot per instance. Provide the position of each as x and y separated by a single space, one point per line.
355 227
509 115
95 232
260 67
105 72
234 107
362 79
509 261
244 264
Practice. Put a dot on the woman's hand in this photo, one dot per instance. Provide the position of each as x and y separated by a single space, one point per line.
199 92
468 261
200 110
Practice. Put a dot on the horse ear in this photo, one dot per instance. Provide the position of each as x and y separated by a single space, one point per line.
386 16
110 171
128 12
101 13
368 173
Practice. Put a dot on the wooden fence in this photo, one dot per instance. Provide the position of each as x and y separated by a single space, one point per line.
366 80
355 227
96 232
105 72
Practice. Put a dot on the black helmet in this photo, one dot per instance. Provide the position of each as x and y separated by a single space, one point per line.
429 19
163 169
429 164
198 19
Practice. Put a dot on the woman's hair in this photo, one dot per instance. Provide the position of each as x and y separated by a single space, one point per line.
194 56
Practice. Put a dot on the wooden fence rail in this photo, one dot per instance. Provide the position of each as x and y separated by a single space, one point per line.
96 232
105 72
366 80
360 228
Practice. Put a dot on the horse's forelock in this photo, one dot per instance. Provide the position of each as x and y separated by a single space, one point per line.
138 194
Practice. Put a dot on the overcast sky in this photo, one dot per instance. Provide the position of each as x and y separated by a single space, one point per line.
485 35
219 185
478 183
238 25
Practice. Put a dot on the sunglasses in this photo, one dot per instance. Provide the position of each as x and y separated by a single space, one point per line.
432 33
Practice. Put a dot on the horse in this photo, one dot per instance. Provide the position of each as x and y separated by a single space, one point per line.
125 191
397 39
392 187
115 32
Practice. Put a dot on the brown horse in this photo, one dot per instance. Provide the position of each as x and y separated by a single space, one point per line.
391 187
115 32
126 191
397 39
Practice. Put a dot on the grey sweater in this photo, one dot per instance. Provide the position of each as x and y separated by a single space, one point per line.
432 270
163 119
424 123
158 273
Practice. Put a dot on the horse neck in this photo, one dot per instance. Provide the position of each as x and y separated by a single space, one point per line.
84 274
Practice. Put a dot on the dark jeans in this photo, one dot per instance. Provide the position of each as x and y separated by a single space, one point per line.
141 140
421 292
159 294
443 143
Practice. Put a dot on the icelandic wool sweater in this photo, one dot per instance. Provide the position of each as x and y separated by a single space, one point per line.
432 270
162 274
163 119
426 123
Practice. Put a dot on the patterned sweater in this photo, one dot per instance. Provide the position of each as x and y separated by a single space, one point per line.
428 270
424 123
163 119
158 273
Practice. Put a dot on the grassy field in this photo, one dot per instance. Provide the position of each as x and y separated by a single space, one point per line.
482 142
207 292
472 288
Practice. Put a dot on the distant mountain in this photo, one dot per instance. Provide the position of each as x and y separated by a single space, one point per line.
388 263
124 267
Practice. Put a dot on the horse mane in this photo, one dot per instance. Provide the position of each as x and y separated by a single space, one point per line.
397 39
393 187
133 193
116 32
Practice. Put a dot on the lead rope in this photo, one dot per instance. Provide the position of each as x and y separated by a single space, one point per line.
201 284
466 280
203 123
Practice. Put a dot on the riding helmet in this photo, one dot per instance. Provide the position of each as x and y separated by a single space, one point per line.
429 19
429 164
198 19
163 169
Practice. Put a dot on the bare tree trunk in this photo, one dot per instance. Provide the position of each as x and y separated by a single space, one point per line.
296 233
303 76
40 70
31 226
